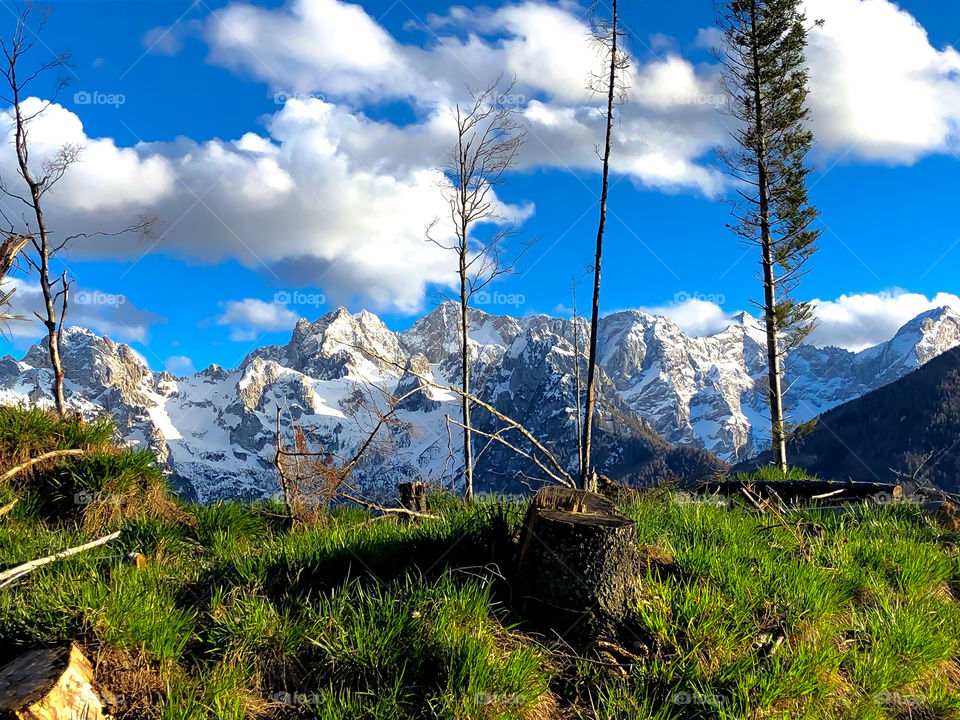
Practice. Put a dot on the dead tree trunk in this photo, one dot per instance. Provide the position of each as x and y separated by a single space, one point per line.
413 497
579 565
49 684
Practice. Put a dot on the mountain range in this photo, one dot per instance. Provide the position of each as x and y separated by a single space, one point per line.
668 403
908 431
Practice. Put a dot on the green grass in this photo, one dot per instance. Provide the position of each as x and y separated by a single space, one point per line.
238 616
768 473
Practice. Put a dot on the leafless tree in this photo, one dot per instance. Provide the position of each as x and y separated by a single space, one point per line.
311 477
606 34
578 384
490 133
18 76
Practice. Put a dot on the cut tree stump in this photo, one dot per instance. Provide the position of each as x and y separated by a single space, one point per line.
579 564
49 684
413 497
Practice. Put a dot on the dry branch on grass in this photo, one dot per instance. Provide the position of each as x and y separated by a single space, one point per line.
17 469
15 573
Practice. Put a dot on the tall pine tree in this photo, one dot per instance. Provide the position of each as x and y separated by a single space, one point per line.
767 84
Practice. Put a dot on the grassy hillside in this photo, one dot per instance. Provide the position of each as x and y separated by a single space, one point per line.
238 616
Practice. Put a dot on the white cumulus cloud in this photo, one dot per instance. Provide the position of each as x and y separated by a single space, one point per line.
249 318
859 321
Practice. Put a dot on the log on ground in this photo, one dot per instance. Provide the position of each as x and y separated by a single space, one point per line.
797 491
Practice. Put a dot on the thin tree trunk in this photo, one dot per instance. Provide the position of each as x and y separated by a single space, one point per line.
775 393
576 376
585 481
465 372
50 321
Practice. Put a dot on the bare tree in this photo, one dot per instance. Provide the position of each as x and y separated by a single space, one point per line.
40 181
489 135
312 477
606 34
577 384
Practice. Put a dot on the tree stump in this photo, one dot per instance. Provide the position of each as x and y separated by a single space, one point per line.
413 497
579 564
49 684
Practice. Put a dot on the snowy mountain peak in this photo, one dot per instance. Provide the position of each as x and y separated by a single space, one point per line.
340 345
215 429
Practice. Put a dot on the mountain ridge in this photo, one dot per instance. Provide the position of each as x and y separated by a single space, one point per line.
659 390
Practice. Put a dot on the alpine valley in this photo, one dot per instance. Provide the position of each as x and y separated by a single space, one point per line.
669 404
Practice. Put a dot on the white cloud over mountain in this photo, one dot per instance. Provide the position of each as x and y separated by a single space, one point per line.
327 197
249 318
853 322
106 313
860 321
879 88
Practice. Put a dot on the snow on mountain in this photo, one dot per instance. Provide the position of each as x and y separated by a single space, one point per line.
215 429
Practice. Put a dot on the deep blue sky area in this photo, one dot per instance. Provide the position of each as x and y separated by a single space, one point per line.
891 222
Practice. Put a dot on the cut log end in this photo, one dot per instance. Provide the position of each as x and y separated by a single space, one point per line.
49 684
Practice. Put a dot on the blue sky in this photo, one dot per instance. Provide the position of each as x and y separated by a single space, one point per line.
288 150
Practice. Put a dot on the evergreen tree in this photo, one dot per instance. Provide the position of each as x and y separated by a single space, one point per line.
766 81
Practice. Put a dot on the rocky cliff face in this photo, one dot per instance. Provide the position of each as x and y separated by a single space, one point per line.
658 388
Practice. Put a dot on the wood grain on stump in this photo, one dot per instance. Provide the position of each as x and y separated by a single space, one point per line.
579 565
49 684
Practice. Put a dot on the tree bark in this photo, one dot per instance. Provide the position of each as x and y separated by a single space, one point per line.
585 478
465 372
43 250
579 565
49 684
413 497
774 376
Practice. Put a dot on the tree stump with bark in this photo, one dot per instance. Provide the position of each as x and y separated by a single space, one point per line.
413 497
579 564
49 684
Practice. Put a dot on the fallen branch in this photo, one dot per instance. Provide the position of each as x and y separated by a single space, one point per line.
8 507
39 459
9 576
379 508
